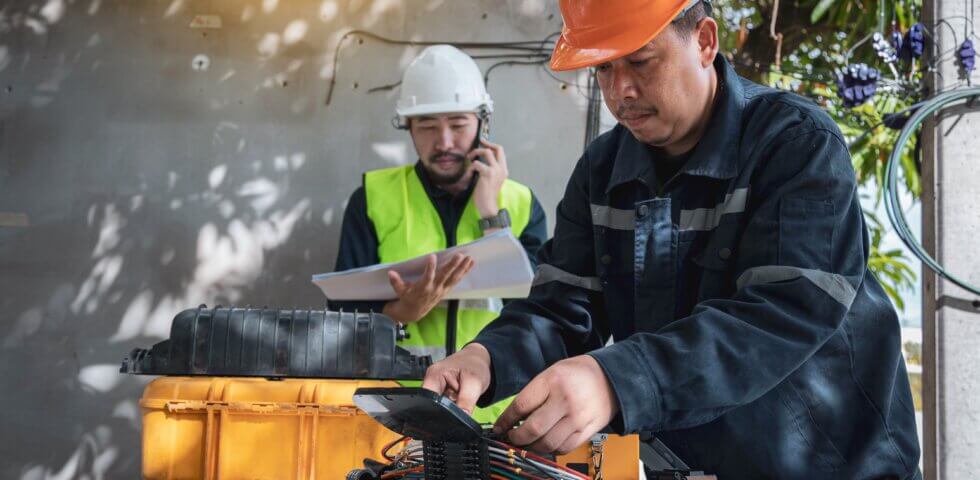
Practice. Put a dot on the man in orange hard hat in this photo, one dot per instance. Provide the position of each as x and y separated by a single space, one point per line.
716 237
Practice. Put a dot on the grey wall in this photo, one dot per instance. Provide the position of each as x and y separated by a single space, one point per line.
135 183
950 226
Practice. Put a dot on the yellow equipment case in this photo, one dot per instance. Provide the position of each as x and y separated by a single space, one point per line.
204 428
222 428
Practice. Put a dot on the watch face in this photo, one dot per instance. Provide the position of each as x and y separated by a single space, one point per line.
502 220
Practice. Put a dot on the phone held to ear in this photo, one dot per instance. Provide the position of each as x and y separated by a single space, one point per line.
484 134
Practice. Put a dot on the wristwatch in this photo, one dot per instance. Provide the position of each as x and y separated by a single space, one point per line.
502 220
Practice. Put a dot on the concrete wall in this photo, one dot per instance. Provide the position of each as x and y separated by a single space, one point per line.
147 166
951 225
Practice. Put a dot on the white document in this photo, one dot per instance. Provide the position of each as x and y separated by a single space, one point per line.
501 269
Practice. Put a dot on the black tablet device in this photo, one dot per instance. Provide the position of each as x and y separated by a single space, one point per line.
418 413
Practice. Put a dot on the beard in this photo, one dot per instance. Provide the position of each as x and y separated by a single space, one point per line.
441 176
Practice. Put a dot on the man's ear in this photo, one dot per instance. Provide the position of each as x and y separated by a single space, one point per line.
707 37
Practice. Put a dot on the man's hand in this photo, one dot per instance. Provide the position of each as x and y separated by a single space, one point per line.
416 299
562 407
492 176
462 376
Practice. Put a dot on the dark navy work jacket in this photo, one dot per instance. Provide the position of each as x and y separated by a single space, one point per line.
749 334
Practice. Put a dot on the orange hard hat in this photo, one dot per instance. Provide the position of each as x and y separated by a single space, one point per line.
598 31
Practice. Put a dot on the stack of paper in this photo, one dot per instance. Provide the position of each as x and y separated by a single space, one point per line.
501 269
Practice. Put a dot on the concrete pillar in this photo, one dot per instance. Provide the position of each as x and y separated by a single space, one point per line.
951 232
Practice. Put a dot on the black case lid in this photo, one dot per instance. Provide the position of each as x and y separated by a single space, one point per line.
279 343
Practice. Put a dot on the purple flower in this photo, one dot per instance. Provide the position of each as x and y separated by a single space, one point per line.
968 56
915 41
856 84
897 40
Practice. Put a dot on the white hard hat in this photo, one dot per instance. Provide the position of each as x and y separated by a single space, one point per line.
442 79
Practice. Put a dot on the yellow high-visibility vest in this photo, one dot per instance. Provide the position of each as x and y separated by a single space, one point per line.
408 225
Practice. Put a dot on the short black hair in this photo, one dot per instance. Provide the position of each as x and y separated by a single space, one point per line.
686 23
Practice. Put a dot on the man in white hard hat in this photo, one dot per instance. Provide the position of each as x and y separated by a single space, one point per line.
458 191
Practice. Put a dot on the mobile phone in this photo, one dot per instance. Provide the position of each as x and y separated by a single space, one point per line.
483 127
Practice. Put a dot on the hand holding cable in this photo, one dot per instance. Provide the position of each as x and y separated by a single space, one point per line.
562 407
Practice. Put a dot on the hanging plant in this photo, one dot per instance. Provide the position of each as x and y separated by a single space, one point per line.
967 56
914 43
857 84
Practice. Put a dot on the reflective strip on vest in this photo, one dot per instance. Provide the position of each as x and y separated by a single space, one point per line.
437 353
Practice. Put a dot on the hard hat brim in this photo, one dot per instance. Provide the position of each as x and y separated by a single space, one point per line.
569 57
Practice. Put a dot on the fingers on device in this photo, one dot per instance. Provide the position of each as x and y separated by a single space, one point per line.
454 446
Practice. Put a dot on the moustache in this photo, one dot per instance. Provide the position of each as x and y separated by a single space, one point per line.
633 111
442 156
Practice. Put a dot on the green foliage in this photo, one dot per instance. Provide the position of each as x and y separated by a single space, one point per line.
872 143
815 39
890 266
821 9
